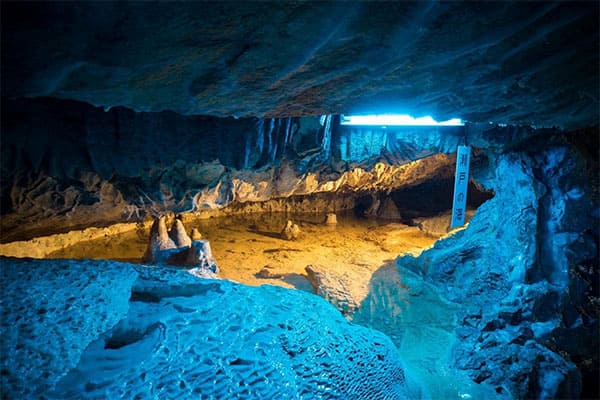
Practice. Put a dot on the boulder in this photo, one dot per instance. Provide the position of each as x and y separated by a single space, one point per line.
111 330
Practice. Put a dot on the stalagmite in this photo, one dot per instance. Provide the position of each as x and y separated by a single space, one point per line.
195 235
176 248
200 255
291 231
331 219
178 234
159 240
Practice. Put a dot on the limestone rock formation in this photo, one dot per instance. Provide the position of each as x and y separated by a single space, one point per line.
520 304
291 231
518 64
200 255
373 209
52 188
160 246
178 234
336 289
389 210
438 225
175 247
195 234
51 312
331 219
97 329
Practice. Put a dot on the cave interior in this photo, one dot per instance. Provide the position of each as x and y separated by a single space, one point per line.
296 199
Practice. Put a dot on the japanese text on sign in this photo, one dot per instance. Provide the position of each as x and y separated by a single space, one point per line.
461 184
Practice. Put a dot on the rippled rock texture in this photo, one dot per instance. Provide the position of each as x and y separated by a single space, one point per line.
525 274
96 329
515 63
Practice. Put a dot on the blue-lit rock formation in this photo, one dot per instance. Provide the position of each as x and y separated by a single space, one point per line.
95 329
523 274
514 63
118 111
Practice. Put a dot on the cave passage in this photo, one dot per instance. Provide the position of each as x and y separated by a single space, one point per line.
265 200
351 264
249 248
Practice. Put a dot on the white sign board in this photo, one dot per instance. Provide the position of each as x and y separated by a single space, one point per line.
461 184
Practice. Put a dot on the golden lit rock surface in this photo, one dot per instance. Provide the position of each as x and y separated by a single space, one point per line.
249 249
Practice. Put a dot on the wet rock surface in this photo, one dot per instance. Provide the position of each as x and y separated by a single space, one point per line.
520 302
335 288
117 330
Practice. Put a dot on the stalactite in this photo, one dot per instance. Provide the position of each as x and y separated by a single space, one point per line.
247 150
317 141
274 153
287 132
326 143
293 129
260 134
276 140
271 127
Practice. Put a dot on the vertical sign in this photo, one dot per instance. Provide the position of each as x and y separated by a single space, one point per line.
461 183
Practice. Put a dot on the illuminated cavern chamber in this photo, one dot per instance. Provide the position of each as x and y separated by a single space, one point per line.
521 277
69 165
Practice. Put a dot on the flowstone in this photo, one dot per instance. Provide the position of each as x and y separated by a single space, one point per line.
169 334
508 272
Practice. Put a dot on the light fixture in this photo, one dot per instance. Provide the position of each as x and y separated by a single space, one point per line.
396 120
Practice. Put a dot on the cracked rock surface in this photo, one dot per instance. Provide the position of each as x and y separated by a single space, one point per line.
509 62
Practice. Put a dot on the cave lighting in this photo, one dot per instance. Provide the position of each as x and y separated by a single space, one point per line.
396 120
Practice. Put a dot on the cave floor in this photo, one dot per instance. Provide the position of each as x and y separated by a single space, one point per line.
245 245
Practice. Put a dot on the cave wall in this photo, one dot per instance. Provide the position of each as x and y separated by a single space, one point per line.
70 160
395 144
67 164
525 272
64 138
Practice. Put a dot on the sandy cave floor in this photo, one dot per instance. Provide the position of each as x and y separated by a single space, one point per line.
245 245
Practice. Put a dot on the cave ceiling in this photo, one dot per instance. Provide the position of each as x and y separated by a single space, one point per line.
515 63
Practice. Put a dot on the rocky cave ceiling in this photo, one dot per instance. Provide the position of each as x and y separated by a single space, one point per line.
515 63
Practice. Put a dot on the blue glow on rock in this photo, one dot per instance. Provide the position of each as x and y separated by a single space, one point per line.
396 120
